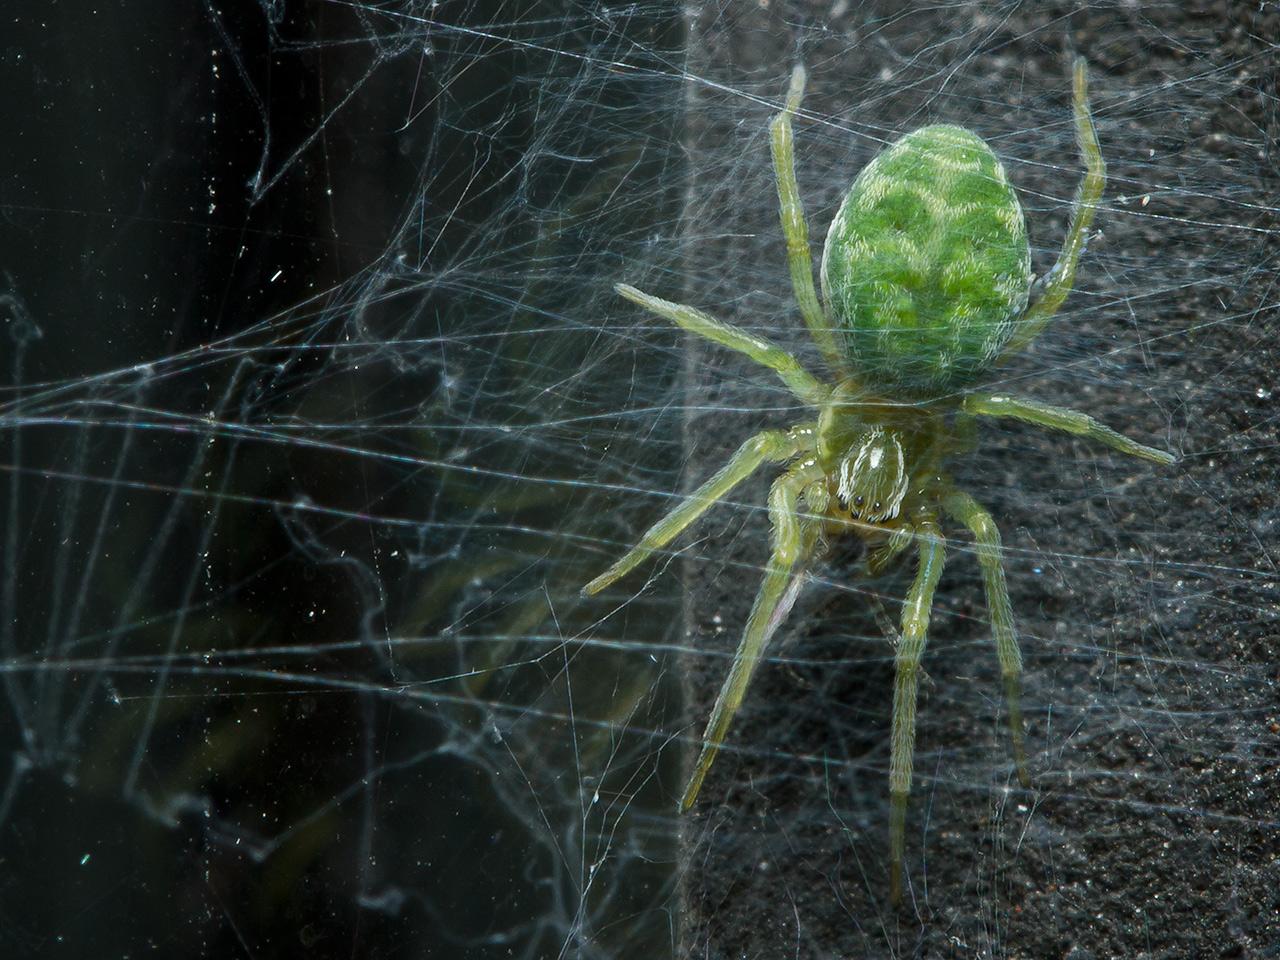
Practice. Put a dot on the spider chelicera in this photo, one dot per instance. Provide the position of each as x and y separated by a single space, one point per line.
926 275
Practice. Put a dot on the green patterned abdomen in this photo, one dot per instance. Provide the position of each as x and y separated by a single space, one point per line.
926 266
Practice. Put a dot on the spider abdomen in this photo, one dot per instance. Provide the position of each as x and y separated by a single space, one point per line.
926 266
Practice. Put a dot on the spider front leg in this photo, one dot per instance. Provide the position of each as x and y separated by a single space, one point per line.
771 445
931 549
1056 284
794 538
986 538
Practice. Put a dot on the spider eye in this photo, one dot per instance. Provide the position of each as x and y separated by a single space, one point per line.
857 501
876 506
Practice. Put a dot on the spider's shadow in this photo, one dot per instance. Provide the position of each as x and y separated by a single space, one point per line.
835 656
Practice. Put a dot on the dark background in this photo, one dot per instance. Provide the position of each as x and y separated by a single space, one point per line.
317 408
290 476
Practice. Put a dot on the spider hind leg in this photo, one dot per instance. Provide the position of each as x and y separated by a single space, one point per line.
1053 287
796 229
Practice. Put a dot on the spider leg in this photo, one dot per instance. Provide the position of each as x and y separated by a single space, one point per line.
794 537
796 229
798 380
1056 284
771 445
986 536
1060 418
931 548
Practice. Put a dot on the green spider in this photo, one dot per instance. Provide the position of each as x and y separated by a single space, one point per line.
926 274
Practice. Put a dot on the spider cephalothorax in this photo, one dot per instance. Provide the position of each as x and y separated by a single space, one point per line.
926 273
870 481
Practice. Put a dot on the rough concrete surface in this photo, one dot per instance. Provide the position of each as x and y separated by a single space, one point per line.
1146 597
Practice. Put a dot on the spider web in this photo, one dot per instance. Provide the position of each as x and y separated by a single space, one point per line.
319 409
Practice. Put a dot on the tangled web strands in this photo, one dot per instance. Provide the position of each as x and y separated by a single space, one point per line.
319 407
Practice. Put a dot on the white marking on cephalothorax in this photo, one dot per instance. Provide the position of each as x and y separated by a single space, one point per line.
870 456
894 501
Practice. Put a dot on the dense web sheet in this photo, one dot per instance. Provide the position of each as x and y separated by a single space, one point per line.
318 409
